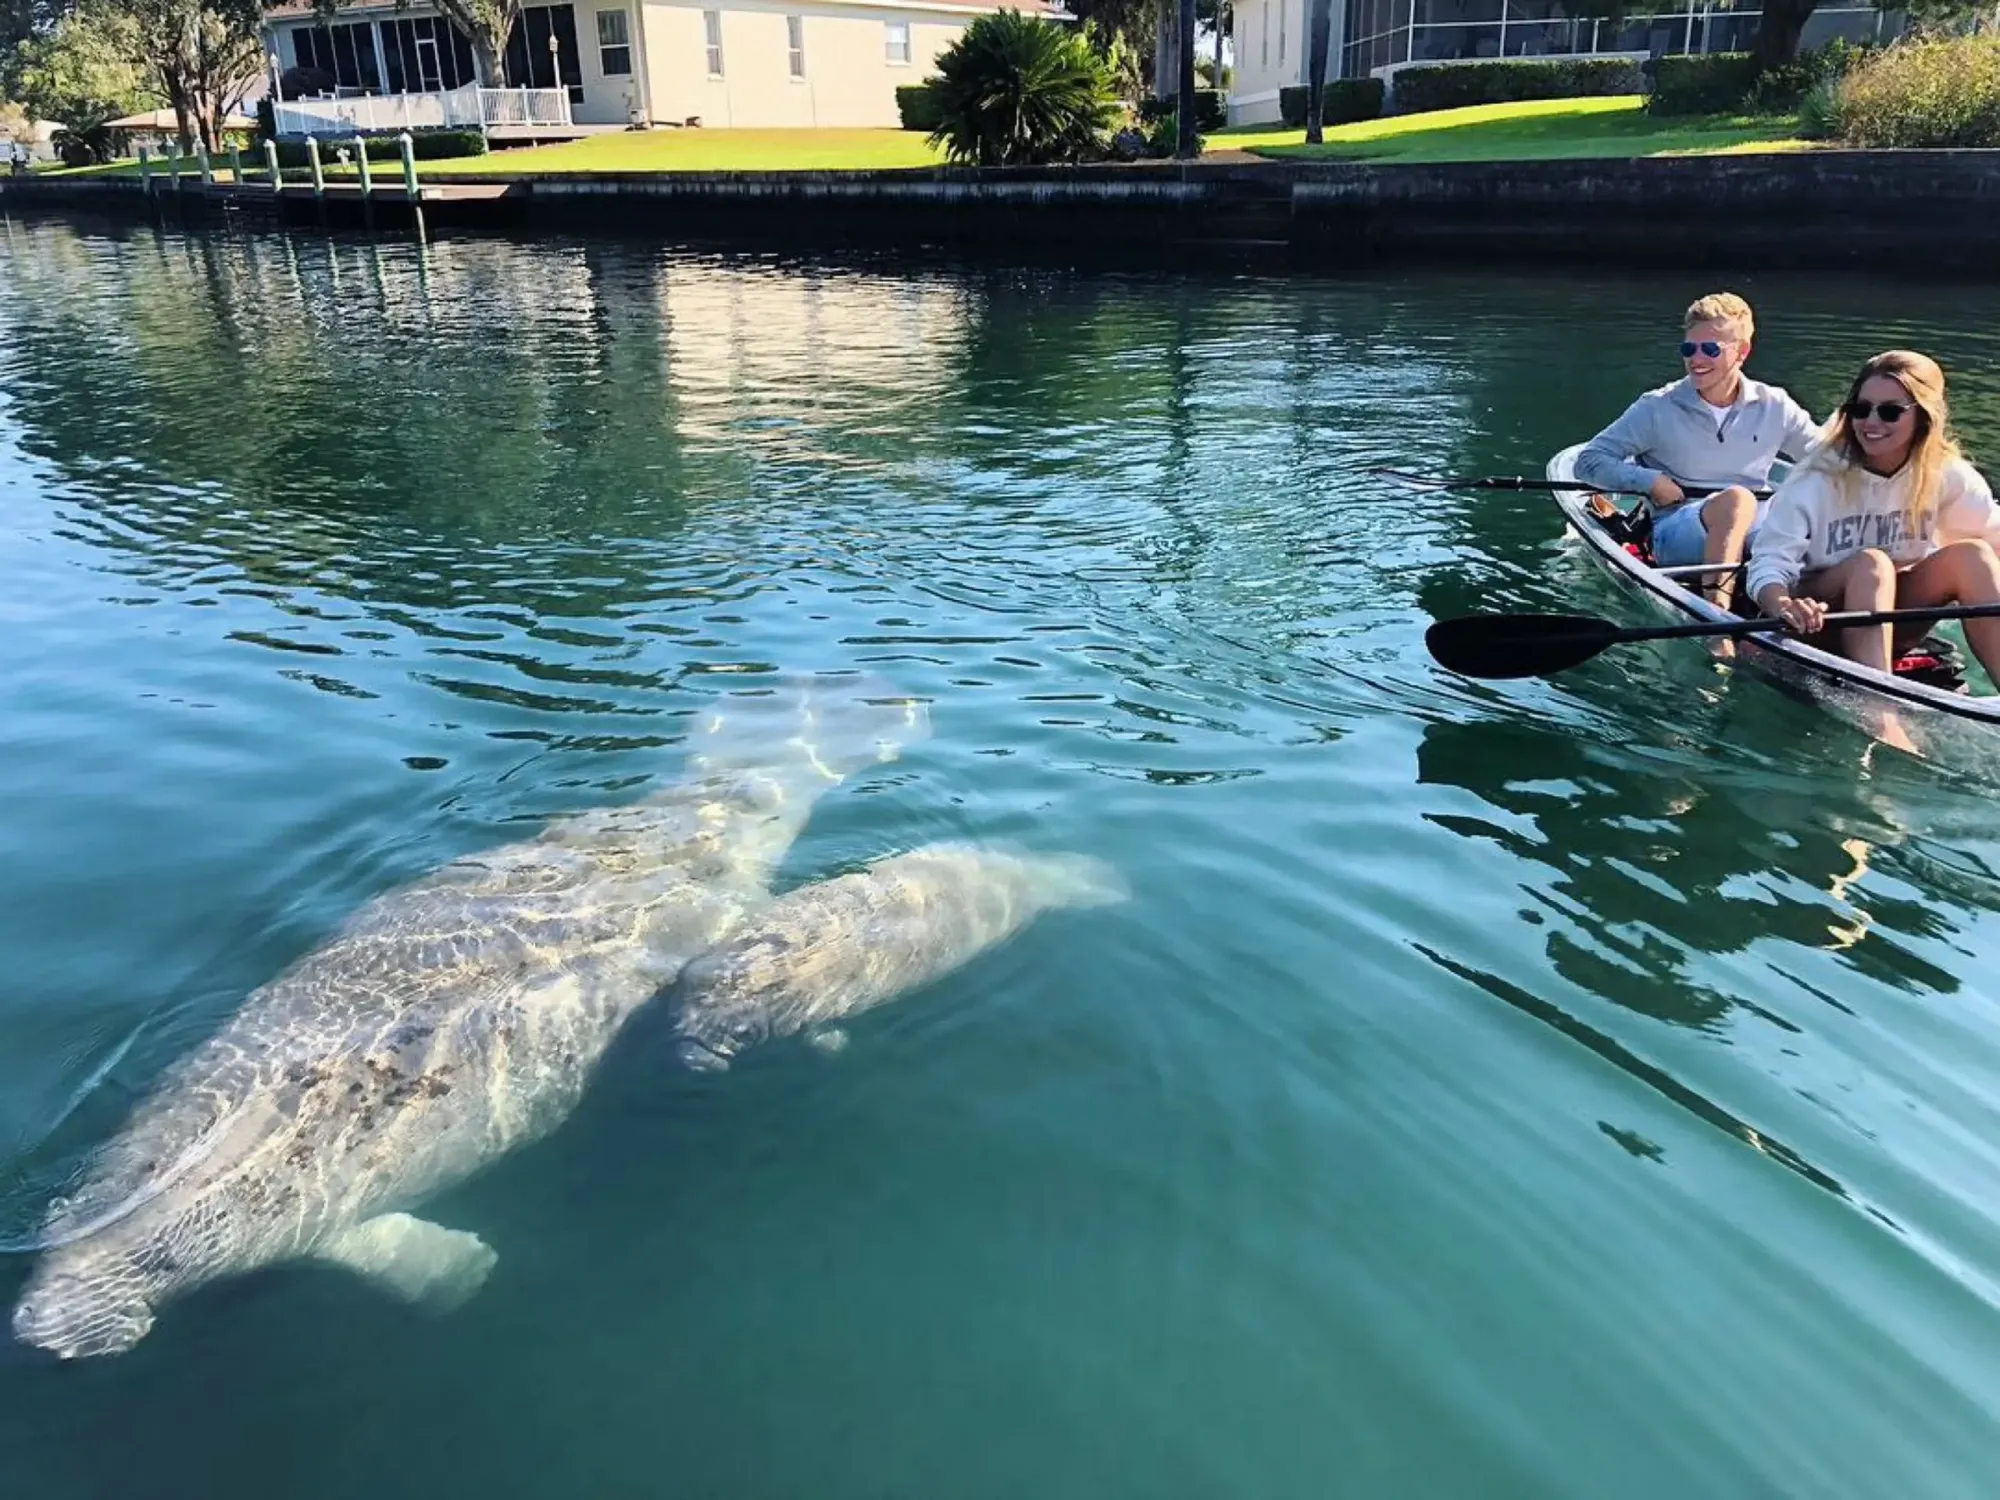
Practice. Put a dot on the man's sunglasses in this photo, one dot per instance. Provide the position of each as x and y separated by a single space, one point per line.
1707 346
1888 411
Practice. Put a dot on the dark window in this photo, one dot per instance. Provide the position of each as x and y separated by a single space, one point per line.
426 55
347 52
529 62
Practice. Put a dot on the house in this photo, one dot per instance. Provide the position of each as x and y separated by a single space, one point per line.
1380 37
617 63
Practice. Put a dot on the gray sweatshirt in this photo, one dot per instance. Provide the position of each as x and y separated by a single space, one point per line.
1673 431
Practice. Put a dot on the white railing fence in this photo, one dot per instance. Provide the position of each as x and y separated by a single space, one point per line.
469 108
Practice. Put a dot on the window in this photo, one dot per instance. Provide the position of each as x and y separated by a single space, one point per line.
425 54
346 52
531 62
795 37
614 44
896 41
711 25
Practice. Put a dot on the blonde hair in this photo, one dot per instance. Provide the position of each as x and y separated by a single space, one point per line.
1840 454
1722 307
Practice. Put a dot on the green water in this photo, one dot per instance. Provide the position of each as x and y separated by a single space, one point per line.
1571 1088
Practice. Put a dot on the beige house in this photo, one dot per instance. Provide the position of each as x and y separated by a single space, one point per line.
619 63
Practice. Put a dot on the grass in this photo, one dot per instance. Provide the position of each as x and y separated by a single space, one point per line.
1532 130
1528 130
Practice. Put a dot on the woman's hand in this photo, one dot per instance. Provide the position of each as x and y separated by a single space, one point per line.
1806 616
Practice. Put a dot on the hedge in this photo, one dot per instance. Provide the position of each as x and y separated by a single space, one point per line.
1455 85
1345 101
1718 84
918 107
426 145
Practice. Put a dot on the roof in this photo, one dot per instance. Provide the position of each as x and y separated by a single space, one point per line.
163 119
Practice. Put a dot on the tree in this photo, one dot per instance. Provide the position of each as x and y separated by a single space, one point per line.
1778 31
204 56
1188 144
1126 23
87 70
1317 43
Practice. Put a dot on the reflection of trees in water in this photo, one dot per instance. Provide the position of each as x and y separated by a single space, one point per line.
1653 866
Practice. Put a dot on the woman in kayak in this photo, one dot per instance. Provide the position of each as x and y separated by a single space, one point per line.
1885 514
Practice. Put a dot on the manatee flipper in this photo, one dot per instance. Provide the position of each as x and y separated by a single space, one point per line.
828 1041
413 1259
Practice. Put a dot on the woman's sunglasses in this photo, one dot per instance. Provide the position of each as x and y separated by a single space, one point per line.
1707 346
1888 411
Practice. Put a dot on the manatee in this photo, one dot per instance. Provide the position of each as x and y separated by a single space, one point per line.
837 948
445 1024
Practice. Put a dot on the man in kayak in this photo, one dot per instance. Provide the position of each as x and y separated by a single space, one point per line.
1714 429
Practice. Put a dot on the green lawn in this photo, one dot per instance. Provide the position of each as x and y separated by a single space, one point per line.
1531 130
705 150
1534 130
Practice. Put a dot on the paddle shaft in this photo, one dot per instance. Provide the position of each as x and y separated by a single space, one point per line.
1841 620
1518 482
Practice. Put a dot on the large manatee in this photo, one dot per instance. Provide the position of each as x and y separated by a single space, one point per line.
445 1024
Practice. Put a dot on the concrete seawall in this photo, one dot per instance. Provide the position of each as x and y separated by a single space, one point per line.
1918 210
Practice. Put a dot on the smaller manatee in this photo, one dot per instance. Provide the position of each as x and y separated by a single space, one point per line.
837 948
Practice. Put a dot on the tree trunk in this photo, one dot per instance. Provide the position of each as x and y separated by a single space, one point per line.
1778 32
1186 146
490 54
1320 24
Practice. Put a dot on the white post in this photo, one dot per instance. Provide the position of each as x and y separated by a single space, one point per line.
201 157
361 158
271 161
409 166
312 159
235 166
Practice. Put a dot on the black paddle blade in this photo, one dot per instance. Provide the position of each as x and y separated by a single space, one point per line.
1517 645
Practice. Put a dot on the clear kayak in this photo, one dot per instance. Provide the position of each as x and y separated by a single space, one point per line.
1928 676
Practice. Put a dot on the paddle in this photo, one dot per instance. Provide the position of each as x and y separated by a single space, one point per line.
1515 482
1537 645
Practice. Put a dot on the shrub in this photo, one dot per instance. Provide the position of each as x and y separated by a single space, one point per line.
1455 85
425 145
1923 92
1345 101
1782 89
1015 91
1208 111
1718 84
918 106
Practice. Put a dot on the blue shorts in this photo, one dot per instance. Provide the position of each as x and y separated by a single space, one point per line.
1678 535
